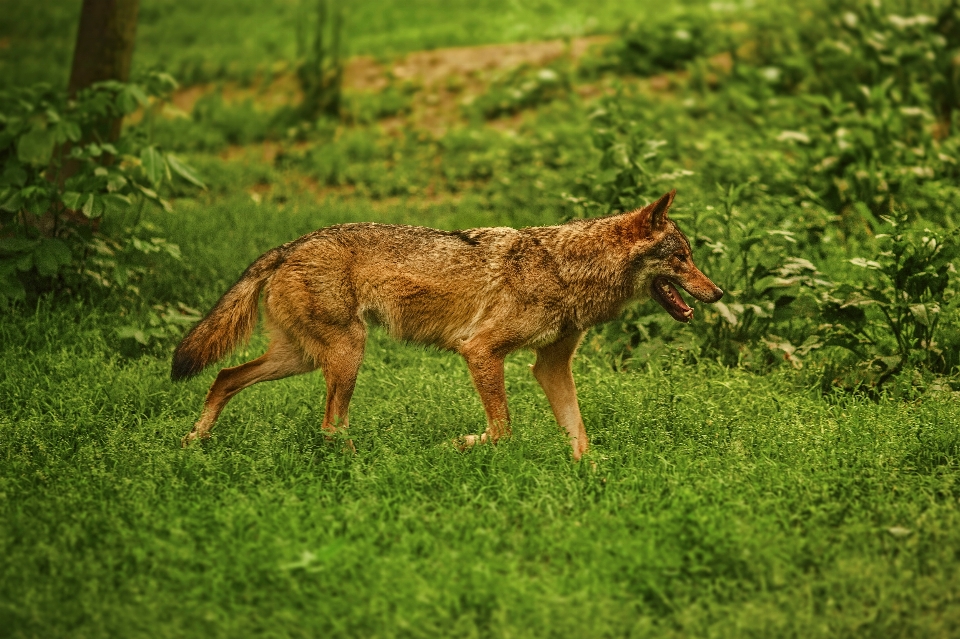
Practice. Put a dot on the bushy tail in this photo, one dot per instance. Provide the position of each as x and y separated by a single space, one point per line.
230 322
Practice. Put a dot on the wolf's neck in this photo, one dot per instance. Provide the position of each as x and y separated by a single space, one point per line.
594 266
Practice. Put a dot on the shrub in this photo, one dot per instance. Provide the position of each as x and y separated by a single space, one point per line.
890 318
522 88
60 180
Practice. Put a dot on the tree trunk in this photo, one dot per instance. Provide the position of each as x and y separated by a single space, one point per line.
104 51
104 48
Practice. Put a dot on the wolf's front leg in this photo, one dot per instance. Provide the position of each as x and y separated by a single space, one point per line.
553 371
486 370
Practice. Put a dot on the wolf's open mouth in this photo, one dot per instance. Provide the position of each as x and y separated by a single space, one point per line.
668 296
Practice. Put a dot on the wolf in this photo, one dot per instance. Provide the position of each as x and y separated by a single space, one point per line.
482 293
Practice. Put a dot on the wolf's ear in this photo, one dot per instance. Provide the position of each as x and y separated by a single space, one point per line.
658 210
653 216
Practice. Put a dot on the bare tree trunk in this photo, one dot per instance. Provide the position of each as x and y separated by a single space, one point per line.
104 51
104 47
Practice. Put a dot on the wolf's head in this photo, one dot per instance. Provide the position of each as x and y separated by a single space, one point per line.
662 260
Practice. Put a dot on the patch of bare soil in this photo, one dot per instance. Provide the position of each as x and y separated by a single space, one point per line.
453 69
436 66
444 79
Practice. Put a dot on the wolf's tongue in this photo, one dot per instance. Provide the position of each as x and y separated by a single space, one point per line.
672 294
670 299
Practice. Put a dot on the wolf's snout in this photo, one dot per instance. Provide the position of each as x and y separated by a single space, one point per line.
703 289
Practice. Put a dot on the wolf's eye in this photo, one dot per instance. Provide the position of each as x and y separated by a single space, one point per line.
681 256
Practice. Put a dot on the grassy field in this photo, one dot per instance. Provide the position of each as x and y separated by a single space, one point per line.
748 476
716 502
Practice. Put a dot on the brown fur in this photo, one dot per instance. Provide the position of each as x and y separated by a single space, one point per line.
482 293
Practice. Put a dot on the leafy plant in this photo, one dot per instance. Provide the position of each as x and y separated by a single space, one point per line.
767 289
320 64
890 318
160 324
768 305
874 155
60 179
367 107
872 43
631 169
665 41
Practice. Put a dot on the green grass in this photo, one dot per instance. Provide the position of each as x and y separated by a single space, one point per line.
235 38
714 502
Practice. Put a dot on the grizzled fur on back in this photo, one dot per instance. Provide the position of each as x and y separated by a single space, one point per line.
426 285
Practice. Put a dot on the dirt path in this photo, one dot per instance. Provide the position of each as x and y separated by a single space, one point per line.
433 67
471 66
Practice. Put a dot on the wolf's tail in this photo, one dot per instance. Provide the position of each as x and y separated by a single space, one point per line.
230 322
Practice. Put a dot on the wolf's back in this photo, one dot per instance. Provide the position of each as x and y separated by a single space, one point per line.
230 322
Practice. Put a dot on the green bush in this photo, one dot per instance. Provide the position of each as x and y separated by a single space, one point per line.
71 200
665 41
890 318
522 88
830 165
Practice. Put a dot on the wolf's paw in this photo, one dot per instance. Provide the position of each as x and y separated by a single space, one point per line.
193 436
348 446
466 442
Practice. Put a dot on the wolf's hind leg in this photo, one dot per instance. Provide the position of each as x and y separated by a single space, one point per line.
486 370
553 372
282 359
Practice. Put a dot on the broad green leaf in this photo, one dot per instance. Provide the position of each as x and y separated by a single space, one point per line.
126 102
10 200
137 92
116 182
71 199
142 246
153 164
787 235
150 193
36 147
92 206
10 286
50 255
184 171
173 250
69 130
14 245
865 263
132 332
920 313
39 203
726 313
116 203
14 174
166 81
